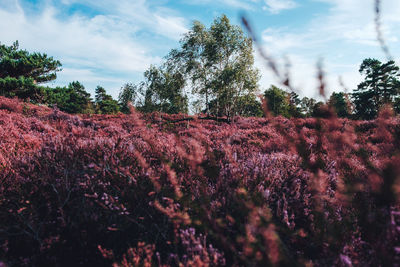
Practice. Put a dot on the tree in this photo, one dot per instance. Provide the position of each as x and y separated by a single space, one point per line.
307 106
282 103
232 63
246 106
100 94
380 86
219 63
396 105
72 99
21 87
192 59
128 94
104 103
79 100
164 90
339 102
277 101
320 110
21 71
294 105
249 106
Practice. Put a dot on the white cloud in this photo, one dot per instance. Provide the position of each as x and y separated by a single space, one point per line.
343 37
172 27
102 48
140 14
241 4
276 6
273 6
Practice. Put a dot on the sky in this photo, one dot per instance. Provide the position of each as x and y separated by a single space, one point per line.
112 42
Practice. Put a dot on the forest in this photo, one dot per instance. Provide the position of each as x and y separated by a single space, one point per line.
196 165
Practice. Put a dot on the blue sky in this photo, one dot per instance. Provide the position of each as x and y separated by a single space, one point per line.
109 42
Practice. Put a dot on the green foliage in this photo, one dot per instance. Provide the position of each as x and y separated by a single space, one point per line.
219 63
381 86
163 90
249 106
15 62
128 94
294 105
277 101
192 58
21 87
104 103
72 99
282 103
339 102
307 106
320 110
21 71
246 106
396 105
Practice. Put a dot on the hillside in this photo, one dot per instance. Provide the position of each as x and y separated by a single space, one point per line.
156 190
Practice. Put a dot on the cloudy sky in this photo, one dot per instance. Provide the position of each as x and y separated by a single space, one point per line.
111 42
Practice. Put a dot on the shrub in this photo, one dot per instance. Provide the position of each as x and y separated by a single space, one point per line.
131 190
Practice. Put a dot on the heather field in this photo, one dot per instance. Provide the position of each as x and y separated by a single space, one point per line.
165 190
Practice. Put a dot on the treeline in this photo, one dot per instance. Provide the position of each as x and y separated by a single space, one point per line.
22 73
213 68
381 86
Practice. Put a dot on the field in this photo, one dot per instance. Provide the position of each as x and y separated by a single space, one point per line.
164 190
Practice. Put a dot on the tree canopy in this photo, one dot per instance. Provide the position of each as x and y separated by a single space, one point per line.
277 101
104 103
163 90
15 62
340 103
282 103
21 71
218 62
128 94
71 99
381 86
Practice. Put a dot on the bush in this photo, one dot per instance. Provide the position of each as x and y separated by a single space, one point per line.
131 190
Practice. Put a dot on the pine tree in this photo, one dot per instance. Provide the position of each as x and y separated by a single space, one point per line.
104 103
21 72
381 86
